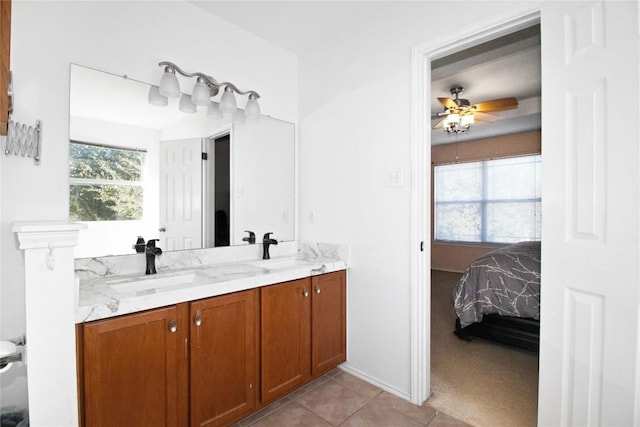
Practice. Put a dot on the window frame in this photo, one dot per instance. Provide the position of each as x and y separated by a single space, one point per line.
484 203
74 181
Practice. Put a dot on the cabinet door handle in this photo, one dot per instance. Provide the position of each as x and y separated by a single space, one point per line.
317 289
173 326
305 292
198 319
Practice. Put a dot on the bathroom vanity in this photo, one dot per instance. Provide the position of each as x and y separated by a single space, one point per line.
252 332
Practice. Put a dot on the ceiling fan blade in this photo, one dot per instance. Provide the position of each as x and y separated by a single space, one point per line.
496 105
448 102
439 124
480 117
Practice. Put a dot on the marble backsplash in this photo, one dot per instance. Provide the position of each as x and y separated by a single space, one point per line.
86 268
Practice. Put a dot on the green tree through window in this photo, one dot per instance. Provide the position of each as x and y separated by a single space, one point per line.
105 183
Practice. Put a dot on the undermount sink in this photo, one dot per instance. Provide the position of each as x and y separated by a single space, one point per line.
158 282
275 264
233 269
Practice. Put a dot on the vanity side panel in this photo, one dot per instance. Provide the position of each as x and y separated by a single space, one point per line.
5 48
80 371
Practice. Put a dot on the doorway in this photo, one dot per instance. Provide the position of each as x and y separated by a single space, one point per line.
217 176
485 196
423 56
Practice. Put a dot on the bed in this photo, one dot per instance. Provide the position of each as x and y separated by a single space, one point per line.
498 297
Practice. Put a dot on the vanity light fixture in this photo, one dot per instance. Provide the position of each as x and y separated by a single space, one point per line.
186 105
206 87
156 99
213 110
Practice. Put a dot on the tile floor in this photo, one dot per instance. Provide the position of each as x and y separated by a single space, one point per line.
340 399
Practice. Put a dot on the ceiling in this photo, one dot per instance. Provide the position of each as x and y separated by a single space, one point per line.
294 25
505 67
501 68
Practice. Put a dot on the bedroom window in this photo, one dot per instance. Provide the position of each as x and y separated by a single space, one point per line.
105 183
493 201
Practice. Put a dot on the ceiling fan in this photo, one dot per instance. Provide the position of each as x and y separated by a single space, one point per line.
459 114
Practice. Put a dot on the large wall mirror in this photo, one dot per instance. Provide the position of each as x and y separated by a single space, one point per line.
191 181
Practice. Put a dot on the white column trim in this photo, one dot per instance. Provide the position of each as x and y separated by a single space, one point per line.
33 235
50 320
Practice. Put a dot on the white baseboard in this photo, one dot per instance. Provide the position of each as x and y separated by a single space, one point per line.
364 377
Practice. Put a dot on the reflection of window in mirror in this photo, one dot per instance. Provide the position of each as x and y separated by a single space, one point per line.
106 183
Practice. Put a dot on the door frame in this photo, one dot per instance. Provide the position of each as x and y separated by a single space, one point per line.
421 58
206 183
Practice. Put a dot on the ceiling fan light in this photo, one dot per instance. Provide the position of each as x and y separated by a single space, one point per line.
467 120
156 99
186 106
169 85
453 118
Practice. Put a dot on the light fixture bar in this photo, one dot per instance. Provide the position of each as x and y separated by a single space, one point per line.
208 80
169 87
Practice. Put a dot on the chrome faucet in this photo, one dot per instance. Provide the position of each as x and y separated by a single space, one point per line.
151 252
266 241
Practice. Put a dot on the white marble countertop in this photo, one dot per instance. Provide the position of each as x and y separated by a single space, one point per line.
114 295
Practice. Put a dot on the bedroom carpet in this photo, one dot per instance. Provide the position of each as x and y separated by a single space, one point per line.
480 382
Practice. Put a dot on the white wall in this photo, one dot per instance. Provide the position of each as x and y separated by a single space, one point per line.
122 38
353 127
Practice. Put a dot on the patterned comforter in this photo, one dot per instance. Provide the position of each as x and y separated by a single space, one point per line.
505 281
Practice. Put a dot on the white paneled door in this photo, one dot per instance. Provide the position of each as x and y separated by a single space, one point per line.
181 194
590 275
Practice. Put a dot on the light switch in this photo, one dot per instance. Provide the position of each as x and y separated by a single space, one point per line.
393 177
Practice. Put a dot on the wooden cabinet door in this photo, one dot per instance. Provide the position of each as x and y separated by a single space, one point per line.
223 358
130 370
5 45
328 322
285 333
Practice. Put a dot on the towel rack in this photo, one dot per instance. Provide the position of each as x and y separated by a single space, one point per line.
22 140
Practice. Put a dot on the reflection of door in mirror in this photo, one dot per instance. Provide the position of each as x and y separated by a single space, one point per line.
194 170
180 188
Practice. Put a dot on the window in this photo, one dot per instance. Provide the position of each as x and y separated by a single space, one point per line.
105 183
490 201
